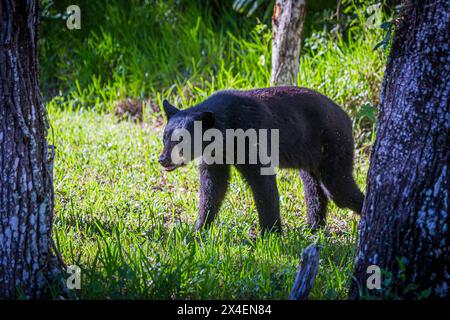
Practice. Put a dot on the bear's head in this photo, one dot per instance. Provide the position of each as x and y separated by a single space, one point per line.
178 139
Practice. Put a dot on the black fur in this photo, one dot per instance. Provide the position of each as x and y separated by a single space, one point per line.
315 137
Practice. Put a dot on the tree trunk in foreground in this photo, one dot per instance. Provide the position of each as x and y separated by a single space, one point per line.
26 188
405 221
287 25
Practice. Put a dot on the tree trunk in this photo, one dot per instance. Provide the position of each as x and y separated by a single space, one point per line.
26 188
287 25
405 221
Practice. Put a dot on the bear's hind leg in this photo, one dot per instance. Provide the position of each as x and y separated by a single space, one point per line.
265 193
316 201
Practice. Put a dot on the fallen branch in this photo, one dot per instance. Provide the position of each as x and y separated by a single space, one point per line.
306 274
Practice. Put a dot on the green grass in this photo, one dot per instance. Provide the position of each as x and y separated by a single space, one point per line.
127 223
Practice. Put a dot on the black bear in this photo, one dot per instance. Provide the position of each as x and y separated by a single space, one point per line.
314 136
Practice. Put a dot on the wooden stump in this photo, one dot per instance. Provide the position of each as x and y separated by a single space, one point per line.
306 274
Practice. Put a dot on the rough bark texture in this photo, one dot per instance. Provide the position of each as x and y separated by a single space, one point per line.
306 274
404 228
26 188
287 25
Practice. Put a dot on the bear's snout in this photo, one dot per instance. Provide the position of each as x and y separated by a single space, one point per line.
164 161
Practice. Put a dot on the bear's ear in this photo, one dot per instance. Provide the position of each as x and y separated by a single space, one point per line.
208 120
169 109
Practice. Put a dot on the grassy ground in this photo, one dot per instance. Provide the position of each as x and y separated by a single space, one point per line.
127 223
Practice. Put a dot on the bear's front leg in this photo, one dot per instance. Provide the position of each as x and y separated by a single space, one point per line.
213 186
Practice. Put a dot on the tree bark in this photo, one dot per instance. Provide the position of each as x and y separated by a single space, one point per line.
287 25
26 189
405 221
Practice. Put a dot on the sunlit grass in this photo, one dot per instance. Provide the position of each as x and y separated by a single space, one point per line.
127 223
